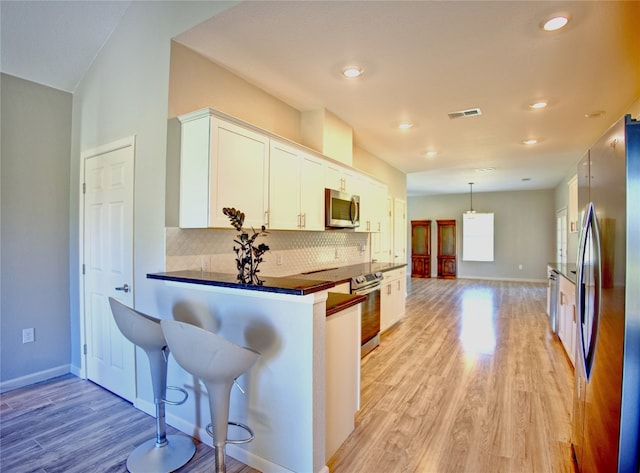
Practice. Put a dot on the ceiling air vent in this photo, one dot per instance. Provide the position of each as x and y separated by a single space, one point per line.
472 112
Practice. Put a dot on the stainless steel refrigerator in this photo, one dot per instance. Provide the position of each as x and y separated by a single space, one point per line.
606 408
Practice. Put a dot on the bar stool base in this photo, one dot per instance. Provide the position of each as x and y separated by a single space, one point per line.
147 458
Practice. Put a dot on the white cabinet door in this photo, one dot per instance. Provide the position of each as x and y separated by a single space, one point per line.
340 178
381 241
379 211
239 174
392 298
284 187
373 203
221 165
567 317
333 177
296 194
311 193
387 313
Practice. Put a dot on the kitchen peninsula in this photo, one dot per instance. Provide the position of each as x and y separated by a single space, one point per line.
285 402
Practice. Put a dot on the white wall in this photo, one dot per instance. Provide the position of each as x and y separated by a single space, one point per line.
124 93
36 141
524 231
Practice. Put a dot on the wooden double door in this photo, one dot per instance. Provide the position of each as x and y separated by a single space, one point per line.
447 265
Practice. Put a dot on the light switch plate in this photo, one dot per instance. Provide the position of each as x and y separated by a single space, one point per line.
28 335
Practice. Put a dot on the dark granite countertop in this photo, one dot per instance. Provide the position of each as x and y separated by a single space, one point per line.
337 302
568 270
342 274
286 285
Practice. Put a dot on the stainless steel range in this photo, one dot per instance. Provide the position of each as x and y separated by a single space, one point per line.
369 285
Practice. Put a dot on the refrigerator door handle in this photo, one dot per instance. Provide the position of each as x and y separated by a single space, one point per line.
588 290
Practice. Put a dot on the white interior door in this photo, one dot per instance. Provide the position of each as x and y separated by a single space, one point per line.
108 265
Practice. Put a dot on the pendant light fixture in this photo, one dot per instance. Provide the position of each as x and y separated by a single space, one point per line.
470 211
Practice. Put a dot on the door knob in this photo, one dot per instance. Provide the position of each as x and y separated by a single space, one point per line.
124 288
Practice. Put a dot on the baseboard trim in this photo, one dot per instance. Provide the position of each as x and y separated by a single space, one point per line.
33 378
76 371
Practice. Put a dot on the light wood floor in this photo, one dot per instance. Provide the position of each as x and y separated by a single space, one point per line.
471 381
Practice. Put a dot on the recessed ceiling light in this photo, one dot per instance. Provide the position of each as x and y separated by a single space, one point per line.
595 114
431 154
555 23
405 125
485 169
525 179
538 105
352 72
530 142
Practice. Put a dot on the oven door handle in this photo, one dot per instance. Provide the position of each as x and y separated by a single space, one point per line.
367 290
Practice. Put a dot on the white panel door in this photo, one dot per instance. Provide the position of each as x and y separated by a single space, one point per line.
108 263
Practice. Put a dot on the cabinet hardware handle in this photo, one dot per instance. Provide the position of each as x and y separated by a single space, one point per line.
124 288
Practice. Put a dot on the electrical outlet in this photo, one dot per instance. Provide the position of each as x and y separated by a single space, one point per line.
279 259
28 335
336 256
519 266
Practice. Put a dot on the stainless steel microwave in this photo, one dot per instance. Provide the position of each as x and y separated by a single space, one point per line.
342 210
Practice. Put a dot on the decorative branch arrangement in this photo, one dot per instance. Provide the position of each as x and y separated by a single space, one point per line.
248 256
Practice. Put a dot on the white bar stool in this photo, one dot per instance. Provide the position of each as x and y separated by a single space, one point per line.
217 362
165 453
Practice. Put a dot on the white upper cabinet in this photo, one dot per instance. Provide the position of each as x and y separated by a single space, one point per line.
296 196
226 163
341 179
379 214
311 193
222 165
373 205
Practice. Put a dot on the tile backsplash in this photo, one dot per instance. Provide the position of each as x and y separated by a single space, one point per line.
291 252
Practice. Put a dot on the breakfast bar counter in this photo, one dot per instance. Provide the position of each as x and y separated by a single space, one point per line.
290 322
281 285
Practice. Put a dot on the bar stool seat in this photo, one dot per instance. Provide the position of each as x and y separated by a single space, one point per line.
217 362
165 453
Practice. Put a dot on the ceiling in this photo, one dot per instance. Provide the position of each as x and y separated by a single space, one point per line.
421 61
54 42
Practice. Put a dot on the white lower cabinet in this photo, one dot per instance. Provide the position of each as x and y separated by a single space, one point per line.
392 298
567 316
